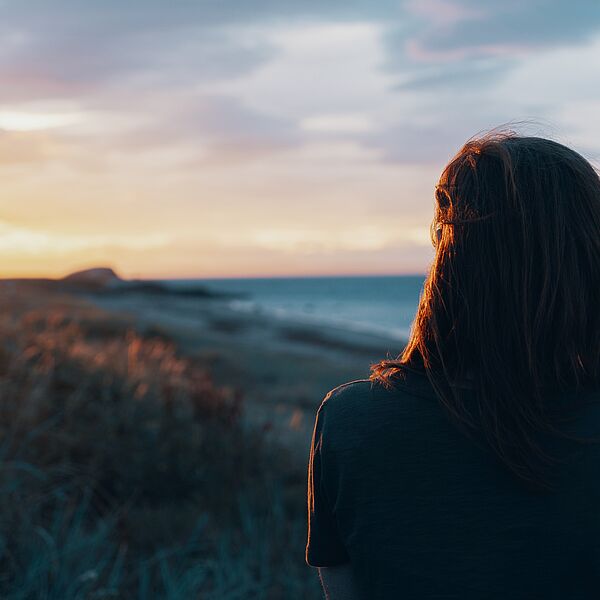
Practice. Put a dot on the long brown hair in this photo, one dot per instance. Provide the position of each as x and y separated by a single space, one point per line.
512 298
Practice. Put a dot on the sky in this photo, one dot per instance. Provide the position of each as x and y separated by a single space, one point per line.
246 138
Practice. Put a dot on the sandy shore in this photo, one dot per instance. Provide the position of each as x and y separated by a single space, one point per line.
283 367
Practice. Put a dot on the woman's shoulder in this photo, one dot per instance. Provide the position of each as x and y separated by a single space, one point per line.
351 397
410 382
364 413
367 398
345 401
345 392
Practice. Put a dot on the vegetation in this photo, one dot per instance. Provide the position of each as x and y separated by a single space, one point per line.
125 472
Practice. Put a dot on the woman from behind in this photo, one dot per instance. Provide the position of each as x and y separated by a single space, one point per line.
469 466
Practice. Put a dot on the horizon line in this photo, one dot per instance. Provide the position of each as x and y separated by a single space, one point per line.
134 277
290 276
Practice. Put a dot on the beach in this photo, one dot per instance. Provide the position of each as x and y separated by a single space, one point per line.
282 366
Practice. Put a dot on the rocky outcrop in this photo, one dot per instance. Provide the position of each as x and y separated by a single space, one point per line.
99 276
105 281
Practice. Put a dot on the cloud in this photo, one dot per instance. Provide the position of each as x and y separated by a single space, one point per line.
302 240
468 74
209 128
77 67
21 240
70 47
472 45
73 48
469 29
35 120
338 123
78 49
268 120
416 145
18 147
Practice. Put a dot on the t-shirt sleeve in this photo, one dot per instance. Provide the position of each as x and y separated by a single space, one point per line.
324 547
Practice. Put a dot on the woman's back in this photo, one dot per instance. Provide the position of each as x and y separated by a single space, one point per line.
421 511
431 489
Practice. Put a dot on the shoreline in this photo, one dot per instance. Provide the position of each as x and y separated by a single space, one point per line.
283 366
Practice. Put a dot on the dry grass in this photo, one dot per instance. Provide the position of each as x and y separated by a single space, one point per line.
125 472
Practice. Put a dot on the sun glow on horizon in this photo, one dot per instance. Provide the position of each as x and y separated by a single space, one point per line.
32 121
256 141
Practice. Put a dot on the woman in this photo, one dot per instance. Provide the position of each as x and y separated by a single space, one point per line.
468 467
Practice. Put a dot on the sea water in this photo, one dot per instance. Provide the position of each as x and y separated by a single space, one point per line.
380 304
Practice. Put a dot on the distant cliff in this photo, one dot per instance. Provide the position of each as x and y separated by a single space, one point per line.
98 276
105 281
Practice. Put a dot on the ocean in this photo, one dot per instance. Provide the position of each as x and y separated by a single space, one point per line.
380 304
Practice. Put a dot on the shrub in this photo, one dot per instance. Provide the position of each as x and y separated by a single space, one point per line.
126 472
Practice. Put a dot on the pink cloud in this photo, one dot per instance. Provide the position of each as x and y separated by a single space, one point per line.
418 51
442 12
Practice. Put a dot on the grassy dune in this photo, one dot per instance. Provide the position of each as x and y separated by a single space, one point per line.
127 472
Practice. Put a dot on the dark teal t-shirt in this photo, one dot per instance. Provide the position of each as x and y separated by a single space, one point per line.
421 511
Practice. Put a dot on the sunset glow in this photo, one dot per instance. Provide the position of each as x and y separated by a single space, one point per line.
15 121
286 139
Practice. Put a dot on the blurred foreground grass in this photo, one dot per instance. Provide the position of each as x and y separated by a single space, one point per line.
125 472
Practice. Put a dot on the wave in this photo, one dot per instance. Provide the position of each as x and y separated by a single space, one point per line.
331 322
